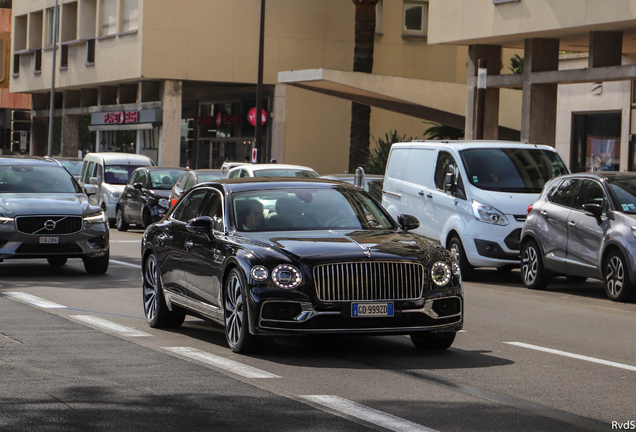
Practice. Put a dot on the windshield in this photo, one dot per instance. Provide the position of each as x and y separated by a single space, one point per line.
285 173
164 179
625 191
512 169
119 174
36 179
307 209
206 177
73 166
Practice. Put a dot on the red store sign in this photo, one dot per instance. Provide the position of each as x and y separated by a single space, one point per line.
220 120
121 117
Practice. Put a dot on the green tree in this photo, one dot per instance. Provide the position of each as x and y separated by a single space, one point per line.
442 132
380 153
362 62
516 63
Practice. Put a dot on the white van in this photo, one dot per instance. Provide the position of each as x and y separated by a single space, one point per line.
110 171
470 196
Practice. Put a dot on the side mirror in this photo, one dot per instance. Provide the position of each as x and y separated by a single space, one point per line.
450 183
93 181
201 224
407 222
138 186
90 189
595 210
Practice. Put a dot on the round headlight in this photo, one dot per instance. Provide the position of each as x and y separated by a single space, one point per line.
163 203
455 268
259 273
286 276
440 273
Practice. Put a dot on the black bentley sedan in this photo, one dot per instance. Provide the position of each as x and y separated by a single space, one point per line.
275 257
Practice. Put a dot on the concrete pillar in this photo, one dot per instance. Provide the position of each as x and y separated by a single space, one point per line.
606 48
39 126
492 55
171 130
539 103
70 135
278 128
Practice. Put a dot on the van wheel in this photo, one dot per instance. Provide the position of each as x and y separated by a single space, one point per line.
533 273
457 251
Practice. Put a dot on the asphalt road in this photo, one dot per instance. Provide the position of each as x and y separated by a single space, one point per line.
77 355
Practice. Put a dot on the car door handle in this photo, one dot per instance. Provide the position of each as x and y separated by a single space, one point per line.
421 192
429 195
572 224
189 244
544 213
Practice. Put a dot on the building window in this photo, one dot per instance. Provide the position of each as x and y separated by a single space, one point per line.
109 17
64 57
16 64
415 18
50 25
130 15
378 17
90 52
38 60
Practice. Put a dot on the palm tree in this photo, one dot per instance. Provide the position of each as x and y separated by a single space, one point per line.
380 154
442 132
362 62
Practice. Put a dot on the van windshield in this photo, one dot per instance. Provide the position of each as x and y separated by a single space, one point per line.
517 170
119 174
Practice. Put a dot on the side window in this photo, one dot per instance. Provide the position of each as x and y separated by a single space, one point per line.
182 181
233 174
189 206
566 193
397 163
244 174
189 182
89 172
591 192
213 207
133 178
142 178
445 164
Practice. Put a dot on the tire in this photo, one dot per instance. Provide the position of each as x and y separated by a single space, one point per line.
97 265
433 341
155 308
146 218
533 274
235 311
618 286
456 249
57 261
576 279
120 222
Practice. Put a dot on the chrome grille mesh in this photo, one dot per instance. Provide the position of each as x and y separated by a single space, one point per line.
369 281
35 224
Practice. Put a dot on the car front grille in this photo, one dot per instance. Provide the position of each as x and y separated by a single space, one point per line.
61 225
369 281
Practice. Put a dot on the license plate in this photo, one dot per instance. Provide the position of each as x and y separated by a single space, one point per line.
49 239
371 310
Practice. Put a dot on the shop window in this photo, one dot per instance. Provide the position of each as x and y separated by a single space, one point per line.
596 142
415 18
51 25
130 15
108 15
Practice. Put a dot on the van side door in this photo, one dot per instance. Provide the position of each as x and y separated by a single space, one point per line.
446 206
394 180
418 187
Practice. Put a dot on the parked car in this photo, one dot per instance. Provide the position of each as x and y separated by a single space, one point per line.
372 183
259 257
110 172
45 214
144 199
583 226
229 165
471 196
271 170
192 178
72 165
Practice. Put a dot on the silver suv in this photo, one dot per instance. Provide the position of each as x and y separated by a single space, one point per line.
583 226
44 213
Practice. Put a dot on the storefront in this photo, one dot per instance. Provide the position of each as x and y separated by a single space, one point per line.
596 141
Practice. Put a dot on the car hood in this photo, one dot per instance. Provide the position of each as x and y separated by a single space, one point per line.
345 244
507 202
113 187
32 204
161 193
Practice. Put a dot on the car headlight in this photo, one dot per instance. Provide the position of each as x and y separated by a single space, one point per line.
259 273
4 219
163 202
115 195
488 214
96 218
286 276
440 273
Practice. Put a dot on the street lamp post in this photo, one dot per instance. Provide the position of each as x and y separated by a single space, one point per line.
258 142
52 102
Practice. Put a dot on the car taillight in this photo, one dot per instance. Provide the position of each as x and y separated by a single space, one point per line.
174 201
529 209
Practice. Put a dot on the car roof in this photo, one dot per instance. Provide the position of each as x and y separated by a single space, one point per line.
163 168
351 176
260 167
600 175
121 158
260 183
28 160
469 144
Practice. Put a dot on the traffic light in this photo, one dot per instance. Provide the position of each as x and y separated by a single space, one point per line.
20 130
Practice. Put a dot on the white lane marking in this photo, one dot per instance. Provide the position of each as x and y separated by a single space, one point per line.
365 413
575 356
111 326
34 301
125 264
222 363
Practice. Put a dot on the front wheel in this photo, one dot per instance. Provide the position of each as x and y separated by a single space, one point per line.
433 341
155 307
120 222
456 249
237 330
97 265
533 274
618 286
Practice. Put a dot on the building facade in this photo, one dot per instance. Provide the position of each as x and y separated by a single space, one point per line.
177 80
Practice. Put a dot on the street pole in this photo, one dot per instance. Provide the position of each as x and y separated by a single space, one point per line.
258 141
482 75
52 102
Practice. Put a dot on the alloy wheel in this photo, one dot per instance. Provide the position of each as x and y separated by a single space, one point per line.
614 276
454 250
529 265
151 288
234 310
